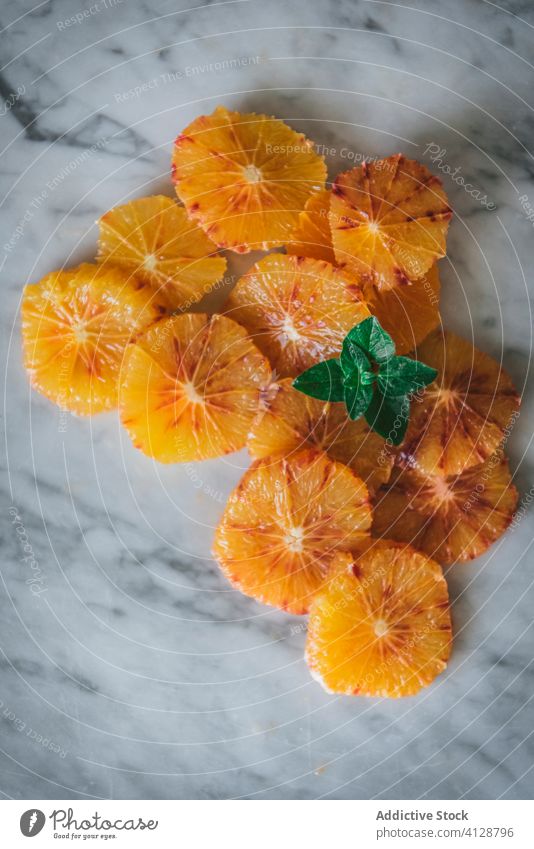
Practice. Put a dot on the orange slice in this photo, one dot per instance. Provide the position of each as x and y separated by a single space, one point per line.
76 325
244 177
292 421
191 387
450 518
153 238
312 236
297 310
381 625
283 523
389 220
460 419
407 313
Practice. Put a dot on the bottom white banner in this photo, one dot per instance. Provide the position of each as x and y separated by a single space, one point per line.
290 823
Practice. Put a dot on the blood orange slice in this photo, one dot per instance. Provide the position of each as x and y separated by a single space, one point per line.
460 419
191 387
245 178
153 238
284 522
76 325
407 313
297 310
389 220
452 518
381 624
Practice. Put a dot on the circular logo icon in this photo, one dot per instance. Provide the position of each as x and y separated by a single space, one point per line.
32 822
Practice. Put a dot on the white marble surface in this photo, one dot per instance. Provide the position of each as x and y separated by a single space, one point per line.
132 670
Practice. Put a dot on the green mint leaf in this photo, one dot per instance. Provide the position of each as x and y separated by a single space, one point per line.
358 394
353 357
389 416
401 376
369 337
323 381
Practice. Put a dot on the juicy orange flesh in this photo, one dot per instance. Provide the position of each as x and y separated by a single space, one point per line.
407 313
298 310
292 421
459 420
191 388
381 624
311 236
245 177
450 518
283 523
389 220
153 238
76 325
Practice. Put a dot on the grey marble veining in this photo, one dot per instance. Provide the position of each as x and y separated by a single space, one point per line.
128 666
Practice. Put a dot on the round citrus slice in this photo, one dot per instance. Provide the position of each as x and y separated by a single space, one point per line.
311 236
76 325
190 388
153 238
292 421
389 220
459 420
283 523
407 313
452 518
381 625
245 178
297 310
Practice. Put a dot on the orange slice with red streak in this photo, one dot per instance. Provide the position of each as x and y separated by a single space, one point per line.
245 177
452 518
283 523
459 420
153 238
292 421
381 624
297 310
76 325
407 313
191 387
389 220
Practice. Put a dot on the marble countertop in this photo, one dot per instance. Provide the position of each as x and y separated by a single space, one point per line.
129 668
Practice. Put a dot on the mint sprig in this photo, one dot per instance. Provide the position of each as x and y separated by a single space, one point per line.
370 379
